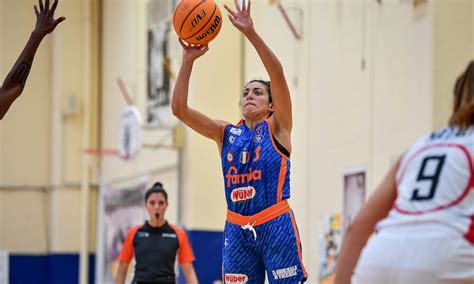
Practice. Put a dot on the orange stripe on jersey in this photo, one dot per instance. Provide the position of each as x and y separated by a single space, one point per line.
298 242
281 179
284 159
185 253
273 142
260 218
257 153
126 254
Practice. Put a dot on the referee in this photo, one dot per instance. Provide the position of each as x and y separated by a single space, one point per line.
155 246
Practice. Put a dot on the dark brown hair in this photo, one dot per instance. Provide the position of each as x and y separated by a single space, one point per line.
156 188
463 111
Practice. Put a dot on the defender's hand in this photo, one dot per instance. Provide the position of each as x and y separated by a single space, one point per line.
45 22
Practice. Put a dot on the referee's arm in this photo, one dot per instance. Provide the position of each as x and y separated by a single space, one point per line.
121 273
189 273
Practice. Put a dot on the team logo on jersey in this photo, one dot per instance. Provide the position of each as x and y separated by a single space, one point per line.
285 272
236 278
143 234
257 154
166 235
258 138
234 178
242 193
231 139
230 157
236 131
244 157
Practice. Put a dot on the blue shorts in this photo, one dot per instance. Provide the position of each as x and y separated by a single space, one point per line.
273 247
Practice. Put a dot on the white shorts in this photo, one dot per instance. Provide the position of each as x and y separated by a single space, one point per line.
416 254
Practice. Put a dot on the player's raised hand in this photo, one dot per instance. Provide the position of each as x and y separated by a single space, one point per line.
45 22
241 18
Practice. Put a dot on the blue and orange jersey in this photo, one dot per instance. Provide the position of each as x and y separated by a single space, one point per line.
256 172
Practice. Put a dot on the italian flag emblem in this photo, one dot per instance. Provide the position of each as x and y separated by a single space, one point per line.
244 157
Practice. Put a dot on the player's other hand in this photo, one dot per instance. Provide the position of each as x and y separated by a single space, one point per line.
192 52
45 22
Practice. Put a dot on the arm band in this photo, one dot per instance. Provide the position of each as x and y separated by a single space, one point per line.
21 72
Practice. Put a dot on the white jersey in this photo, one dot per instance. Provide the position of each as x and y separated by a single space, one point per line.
435 183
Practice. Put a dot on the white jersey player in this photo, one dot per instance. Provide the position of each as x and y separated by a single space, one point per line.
435 183
428 195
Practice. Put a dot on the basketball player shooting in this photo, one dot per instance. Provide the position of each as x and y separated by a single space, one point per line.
15 81
260 232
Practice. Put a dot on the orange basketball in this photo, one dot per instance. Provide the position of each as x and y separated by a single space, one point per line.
197 21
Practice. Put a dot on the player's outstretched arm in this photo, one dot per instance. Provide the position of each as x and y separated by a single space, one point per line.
282 115
358 233
202 124
15 81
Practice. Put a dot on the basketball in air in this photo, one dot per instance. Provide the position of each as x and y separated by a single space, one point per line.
197 21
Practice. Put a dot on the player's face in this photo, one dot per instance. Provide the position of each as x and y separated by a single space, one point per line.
254 101
156 205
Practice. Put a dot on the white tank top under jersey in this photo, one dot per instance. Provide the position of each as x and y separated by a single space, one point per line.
435 183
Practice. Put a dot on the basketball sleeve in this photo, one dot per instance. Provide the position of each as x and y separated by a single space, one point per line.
126 254
185 252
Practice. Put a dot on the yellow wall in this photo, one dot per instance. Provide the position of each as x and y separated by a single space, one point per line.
25 129
24 143
453 43
370 116
34 185
124 55
344 114
24 227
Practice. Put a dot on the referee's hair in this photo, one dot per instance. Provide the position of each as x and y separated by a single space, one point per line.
156 188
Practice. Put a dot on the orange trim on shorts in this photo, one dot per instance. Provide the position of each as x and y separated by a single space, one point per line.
298 243
260 218
281 179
